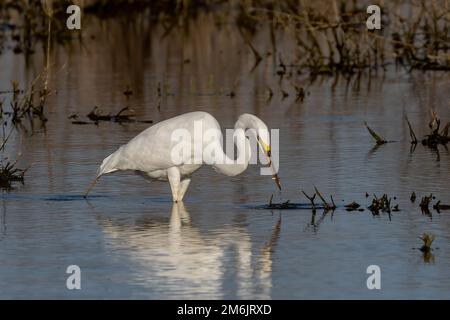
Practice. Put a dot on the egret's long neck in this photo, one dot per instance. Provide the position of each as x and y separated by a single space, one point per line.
234 167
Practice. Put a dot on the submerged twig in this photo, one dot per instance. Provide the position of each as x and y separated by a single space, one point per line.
378 139
411 132
326 205
311 199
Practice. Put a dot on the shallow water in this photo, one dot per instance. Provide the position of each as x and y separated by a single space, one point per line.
131 242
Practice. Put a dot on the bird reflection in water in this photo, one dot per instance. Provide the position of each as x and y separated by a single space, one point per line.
179 259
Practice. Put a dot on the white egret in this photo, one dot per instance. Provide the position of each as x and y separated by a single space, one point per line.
150 153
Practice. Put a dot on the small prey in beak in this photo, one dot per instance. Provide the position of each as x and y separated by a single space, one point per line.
275 176
90 187
267 152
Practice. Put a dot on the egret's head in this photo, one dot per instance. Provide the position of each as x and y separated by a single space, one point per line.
249 121
109 165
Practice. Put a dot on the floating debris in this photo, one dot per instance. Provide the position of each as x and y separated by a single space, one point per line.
382 204
96 116
284 205
79 122
425 203
413 197
435 137
290 205
377 206
352 206
438 206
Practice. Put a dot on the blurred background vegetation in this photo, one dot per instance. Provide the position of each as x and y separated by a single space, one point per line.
329 36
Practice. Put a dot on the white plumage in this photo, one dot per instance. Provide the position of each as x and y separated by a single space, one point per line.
150 153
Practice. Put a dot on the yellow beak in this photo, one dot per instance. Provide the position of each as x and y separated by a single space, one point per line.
266 148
